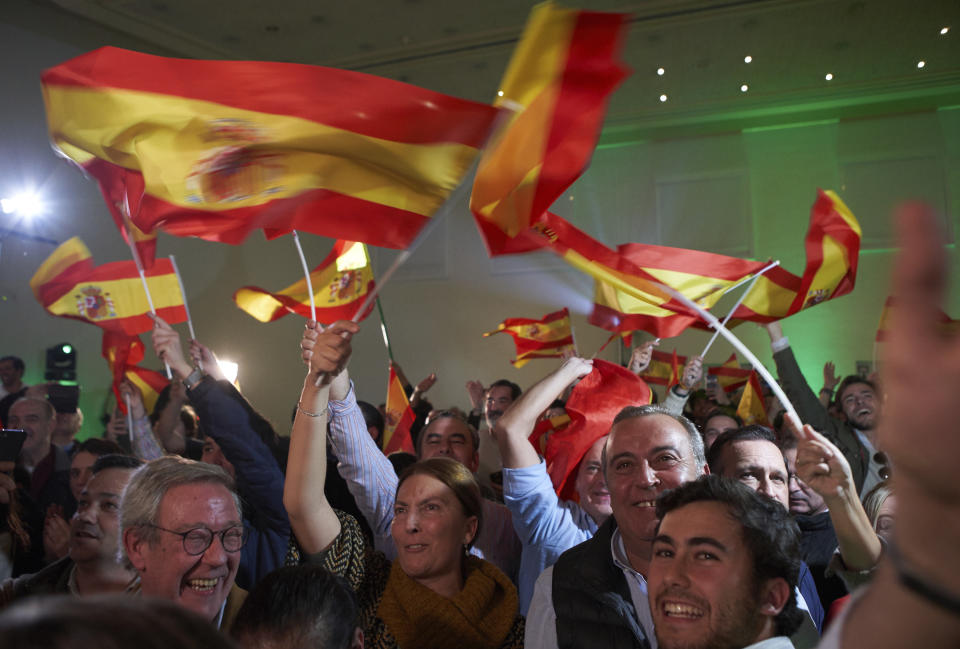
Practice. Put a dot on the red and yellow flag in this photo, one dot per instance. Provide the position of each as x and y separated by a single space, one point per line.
340 283
399 418
730 375
123 354
549 337
111 296
545 428
556 85
217 149
948 325
592 406
664 368
833 248
752 409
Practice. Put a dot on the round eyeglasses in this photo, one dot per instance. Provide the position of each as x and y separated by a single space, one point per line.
197 540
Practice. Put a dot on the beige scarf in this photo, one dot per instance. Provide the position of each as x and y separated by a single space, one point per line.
479 617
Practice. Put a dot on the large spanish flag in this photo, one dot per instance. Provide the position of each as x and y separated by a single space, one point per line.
111 296
833 248
340 283
221 148
399 418
548 337
556 85
730 375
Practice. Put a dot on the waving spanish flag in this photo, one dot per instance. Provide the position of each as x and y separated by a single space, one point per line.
340 283
124 354
548 337
752 409
833 248
664 368
111 296
545 428
730 375
399 418
217 149
557 84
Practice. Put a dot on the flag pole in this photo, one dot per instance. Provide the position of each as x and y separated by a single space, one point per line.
383 330
186 307
604 345
143 277
743 295
306 274
573 336
126 397
743 349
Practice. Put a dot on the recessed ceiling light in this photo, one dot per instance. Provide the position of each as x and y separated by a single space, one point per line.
944 30
921 64
747 59
829 76
660 71
499 93
744 88
663 97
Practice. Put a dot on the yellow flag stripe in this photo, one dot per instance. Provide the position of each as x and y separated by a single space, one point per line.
126 295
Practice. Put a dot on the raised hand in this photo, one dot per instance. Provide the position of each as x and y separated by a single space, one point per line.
641 356
166 343
326 353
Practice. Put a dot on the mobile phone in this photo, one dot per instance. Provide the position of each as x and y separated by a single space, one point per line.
712 380
11 441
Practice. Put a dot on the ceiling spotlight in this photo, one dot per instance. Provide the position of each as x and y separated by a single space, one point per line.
829 76
660 71
26 204
499 93
747 59
744 88
921 64
663 98
944 30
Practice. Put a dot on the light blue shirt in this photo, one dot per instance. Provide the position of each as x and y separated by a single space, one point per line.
546 525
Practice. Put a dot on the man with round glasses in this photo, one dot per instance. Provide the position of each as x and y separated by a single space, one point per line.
183 532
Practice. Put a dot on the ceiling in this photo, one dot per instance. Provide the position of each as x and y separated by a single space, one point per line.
871 47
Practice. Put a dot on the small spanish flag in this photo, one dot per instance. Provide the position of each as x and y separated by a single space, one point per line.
399 418
548 337
752 409
730 375
557 83
947 324
340 283
217 149
124 354
111 296
664 368
545 428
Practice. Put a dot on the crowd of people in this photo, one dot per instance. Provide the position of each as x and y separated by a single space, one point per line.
198 524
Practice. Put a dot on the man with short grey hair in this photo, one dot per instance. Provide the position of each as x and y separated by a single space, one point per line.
182 530
597 591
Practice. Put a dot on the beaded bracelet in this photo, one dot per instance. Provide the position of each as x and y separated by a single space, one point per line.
308 413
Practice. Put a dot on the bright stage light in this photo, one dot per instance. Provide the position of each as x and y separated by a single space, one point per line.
25 204
229 369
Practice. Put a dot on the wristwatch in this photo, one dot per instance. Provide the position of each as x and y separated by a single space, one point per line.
193 378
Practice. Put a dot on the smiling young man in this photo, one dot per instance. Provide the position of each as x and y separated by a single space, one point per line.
182 530
596 593
724 569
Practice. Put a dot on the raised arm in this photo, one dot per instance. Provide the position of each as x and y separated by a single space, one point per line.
513 429
677 396
824 469
312 519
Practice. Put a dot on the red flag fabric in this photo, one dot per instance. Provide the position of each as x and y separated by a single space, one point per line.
592 406
218 149
548 337
664 368
557 84
396 427
545 428
752 409
730 375
123 354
